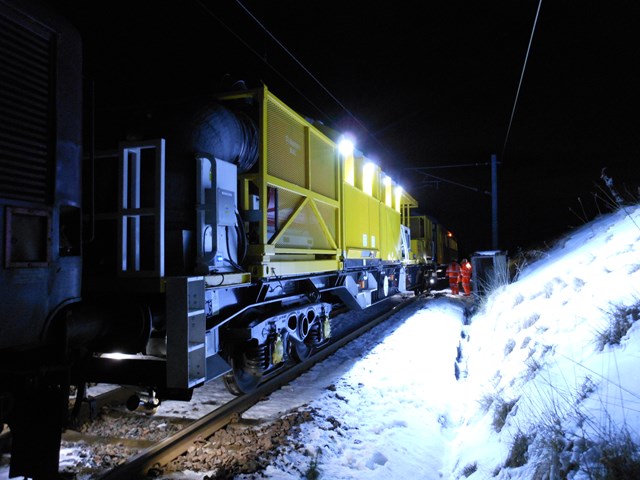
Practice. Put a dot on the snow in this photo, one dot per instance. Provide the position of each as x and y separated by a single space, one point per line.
532 345
379 402
532 369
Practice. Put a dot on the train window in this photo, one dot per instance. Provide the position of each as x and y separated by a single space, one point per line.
27 238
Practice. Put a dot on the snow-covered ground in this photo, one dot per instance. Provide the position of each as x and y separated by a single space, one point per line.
547 389
532 361
390 401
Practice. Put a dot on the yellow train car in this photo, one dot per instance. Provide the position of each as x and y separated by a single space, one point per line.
292 196
374 211
259 226
433 246
312 208
225 234
431 242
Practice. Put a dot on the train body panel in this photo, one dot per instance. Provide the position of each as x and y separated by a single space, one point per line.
361 226
40 182
390 235
432 242
40 212
291 197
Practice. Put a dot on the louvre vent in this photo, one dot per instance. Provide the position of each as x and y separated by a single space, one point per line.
26 120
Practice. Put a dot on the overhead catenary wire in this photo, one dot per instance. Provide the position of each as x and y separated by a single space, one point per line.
524 66
283 77
252 50
295 59
444 180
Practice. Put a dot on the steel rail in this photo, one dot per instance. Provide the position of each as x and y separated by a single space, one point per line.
171 448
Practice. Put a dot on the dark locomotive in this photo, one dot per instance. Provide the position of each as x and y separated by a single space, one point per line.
214 241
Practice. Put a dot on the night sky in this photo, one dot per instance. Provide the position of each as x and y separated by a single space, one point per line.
431 90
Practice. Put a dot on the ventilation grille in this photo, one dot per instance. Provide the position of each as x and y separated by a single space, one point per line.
324 165
26 120
285 146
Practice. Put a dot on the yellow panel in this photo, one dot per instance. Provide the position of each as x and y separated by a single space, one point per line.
390 246
358 167
323 166
296 189
295 267
418 250
424 237
368 176
285 145
304 232
387 186
329 214
349 170
397 194
355 209
284 206
374 223
303 223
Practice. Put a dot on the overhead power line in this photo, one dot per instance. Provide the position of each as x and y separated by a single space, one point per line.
295 59
513 110
305 69
241 40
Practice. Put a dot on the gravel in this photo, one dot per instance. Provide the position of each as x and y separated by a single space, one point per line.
242 447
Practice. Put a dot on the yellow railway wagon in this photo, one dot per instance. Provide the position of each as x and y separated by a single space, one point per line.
309 214
361 209
431 242
373 210
292 196
422 236
448 246
221 244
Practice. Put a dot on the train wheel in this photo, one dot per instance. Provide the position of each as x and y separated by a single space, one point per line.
240 380
304 349
301 351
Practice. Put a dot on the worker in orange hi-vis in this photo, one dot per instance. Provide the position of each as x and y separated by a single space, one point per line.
453 272
465 276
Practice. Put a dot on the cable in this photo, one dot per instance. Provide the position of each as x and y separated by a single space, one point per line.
513 111
242 238
229 260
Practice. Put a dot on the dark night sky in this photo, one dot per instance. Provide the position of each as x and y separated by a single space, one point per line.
421 89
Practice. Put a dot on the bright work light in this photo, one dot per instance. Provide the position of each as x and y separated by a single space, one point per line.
345 147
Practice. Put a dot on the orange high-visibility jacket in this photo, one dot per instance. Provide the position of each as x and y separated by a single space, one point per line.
453 271
465 270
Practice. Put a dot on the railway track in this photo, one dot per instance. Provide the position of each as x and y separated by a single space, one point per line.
148 457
